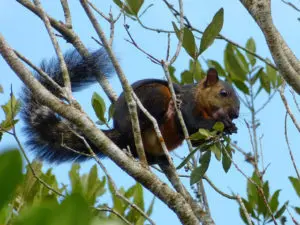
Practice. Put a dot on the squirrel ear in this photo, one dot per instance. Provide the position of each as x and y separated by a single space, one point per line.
211 78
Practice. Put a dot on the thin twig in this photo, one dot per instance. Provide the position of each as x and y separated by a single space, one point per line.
67 13
291 5
168 48
185 131
14 133
96 158
261 153
255 153
63 66
107 18
260 190
146 9
125 85
218 190
295 100
220 36
287 107
169 170
156 128
293 218
108 209
248 51
289 147
240 201
133 42
143 175
179 45
41 73
266 103
71 37
239 149
158 30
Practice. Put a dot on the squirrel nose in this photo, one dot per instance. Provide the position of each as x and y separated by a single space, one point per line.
234 113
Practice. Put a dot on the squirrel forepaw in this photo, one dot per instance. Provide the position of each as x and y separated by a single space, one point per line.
178 101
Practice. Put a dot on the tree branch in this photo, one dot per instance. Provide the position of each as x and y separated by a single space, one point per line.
174 200
284 58
125 85
70 36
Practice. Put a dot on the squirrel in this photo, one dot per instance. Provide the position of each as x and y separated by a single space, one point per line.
52 138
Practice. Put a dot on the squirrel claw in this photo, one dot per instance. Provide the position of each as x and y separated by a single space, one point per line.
178 101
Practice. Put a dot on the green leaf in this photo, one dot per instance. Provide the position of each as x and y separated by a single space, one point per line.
198 172
274 202
118 204
242 215
1 89
111 111
205 133
188 41
261 207
134 6
248 206
250 45
226 160
242 86
95 187
200 135
280 212
196 70
130 192
37 215
252 190
185 161
11 109
150 209
138 199
99 107
76 182
172 74
241 58
216 149
5 214
217 66
272 75
123 6
212 31
10 175
254 77
279 81
218 126
266 189
74 210
296 184
233 65
265 81
187 77
297 210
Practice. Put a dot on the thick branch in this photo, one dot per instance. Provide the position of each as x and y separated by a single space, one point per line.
173 199
132 108
283 56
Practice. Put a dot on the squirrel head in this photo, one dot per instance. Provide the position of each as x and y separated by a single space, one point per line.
217 100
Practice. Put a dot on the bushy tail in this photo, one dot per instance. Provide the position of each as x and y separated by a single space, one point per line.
50 136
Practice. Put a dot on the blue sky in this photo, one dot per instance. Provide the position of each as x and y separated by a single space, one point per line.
27 34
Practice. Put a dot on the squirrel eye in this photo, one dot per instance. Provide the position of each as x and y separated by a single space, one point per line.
224 93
